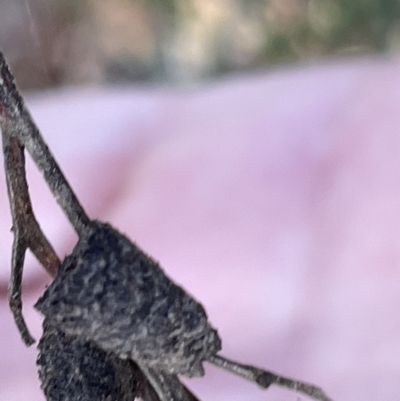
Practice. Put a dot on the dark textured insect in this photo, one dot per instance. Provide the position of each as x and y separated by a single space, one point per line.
71 368
69 365
109 292
121 326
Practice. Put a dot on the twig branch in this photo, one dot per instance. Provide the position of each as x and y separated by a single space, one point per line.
13 113
20 132
265 378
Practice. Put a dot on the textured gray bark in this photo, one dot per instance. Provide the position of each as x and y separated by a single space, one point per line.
109 292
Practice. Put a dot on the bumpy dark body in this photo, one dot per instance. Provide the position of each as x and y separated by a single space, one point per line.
72 369
109 292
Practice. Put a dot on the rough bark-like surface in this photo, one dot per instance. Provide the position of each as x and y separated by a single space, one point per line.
108 291
72 369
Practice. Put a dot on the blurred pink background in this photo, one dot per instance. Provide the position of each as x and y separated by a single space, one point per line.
273 199
273 196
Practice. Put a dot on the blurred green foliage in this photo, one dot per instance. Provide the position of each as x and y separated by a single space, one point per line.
329 27
364 22
296 30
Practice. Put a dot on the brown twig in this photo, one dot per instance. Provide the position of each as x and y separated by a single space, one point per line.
20 132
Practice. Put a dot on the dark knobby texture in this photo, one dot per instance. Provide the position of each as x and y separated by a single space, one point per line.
108 291
72 369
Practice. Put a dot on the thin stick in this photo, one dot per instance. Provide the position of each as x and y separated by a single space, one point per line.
265 378
27 232
18 131
14 113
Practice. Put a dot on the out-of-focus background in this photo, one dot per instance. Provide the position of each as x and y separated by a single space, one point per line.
53 43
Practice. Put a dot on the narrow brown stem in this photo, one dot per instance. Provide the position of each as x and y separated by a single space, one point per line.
14 293
13 113
20 132
27 232
265 378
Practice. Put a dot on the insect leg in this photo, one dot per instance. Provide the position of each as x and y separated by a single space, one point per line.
27 232
14 290
265 378
149 394
167 386
14 113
